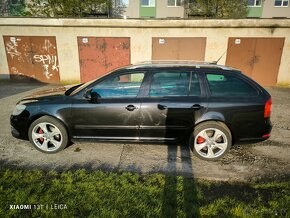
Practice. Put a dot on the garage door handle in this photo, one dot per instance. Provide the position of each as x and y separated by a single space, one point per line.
131 107
161 107
197 107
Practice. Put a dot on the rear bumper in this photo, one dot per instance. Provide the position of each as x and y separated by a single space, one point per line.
265 133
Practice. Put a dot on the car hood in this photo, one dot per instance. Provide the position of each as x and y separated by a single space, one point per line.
49 94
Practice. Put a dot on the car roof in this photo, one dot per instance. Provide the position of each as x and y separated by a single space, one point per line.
184 63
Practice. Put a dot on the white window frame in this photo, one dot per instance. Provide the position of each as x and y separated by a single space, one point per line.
255 4
281 6
175 4
150 1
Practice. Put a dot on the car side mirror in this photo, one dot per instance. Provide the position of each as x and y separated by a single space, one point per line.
92 96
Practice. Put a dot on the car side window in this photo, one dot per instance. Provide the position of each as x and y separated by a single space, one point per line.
229 85
121 86
167 83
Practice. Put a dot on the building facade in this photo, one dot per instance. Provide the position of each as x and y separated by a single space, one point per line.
151 8
268 9
178 8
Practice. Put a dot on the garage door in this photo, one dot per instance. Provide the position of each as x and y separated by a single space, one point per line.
183 48
259 58
32 58
100 55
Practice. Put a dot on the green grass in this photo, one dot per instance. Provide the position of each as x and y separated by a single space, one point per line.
111 194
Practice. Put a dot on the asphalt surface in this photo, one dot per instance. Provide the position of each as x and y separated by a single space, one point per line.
252 162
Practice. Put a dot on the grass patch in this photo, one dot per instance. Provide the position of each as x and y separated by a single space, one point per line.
111 194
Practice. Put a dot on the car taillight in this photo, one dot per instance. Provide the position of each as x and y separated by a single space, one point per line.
267 111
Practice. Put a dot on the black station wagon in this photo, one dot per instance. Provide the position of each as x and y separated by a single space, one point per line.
209 107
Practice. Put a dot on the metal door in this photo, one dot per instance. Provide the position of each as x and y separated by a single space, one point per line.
32 58
170 48
100 55
259 58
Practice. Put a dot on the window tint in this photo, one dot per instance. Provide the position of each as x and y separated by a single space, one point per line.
228 85
174 84
194 89
124 86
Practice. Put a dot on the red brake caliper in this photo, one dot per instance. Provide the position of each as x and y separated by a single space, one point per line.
40 131
200 140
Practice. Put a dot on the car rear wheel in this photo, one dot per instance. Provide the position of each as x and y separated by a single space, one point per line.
48 135
211 140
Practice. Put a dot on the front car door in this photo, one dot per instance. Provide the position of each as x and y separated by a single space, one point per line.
174 101
115 115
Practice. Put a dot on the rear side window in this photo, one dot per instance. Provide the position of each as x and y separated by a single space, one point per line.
229 85
167 83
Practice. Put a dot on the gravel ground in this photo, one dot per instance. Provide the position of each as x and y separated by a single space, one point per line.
252 162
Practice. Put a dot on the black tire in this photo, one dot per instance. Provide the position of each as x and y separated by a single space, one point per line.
222 140
55 136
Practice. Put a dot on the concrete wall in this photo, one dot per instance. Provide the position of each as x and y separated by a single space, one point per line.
141 33
271 11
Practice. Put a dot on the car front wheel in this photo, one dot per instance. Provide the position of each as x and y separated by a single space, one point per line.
211 140
48 135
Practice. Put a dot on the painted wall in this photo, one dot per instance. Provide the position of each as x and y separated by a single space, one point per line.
148 11
132 11
270 11
255 11
141 32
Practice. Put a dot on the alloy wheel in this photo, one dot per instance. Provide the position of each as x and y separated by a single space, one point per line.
46 136
210 143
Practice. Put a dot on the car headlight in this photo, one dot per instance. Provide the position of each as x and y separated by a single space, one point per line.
18 109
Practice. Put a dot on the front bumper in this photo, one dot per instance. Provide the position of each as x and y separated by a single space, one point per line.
19 127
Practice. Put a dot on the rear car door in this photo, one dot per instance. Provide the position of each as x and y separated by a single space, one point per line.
174 101
115 116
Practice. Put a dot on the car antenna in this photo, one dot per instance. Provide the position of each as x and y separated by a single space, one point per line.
215 62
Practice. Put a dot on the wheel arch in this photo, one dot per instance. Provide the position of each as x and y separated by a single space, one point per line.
35 117
222 122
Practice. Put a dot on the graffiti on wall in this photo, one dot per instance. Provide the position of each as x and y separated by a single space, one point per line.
49 64
33 57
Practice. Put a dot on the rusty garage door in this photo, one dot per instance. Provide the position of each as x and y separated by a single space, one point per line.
99 55
259 58
32 58
187 48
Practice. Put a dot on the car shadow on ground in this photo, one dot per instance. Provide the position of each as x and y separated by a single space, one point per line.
188 190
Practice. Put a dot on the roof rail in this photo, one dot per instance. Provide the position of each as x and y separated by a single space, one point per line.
173 63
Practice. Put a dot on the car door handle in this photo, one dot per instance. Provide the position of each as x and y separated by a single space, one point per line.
197 107
161 107
131 107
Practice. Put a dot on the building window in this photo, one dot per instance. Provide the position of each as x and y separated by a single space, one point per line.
281 3
148 3
122 3
254 3
174 3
